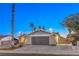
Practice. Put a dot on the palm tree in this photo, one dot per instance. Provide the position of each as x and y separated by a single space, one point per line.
40 27
32 26
43 27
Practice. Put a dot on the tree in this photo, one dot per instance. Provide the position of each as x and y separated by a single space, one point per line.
72 24
32 26
41 27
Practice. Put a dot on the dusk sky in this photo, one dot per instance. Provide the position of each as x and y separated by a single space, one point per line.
48 15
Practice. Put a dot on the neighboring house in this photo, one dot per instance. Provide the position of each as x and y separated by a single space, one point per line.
40 37
1 37
7 42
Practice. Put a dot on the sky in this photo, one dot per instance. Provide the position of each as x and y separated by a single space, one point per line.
50 15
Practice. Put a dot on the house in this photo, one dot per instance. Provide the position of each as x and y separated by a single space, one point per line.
7 42
1 36
40 37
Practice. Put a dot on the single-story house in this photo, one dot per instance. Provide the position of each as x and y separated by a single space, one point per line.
1 36
41 37
7 42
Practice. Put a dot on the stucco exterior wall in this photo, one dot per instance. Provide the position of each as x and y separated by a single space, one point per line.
29 40
52 41
77 43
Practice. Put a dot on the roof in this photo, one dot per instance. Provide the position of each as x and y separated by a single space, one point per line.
6 38
39 32
2 36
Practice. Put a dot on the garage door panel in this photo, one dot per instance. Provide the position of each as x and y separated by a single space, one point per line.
40 40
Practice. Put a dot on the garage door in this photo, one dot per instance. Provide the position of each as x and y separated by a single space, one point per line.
40 40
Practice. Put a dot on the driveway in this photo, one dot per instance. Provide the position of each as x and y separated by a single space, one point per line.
42 50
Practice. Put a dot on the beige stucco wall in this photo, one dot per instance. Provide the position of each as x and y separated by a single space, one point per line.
52 41
29 40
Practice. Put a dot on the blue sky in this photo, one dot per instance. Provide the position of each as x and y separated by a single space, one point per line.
49 15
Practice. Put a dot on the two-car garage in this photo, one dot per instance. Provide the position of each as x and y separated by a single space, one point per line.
41 38
44 40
